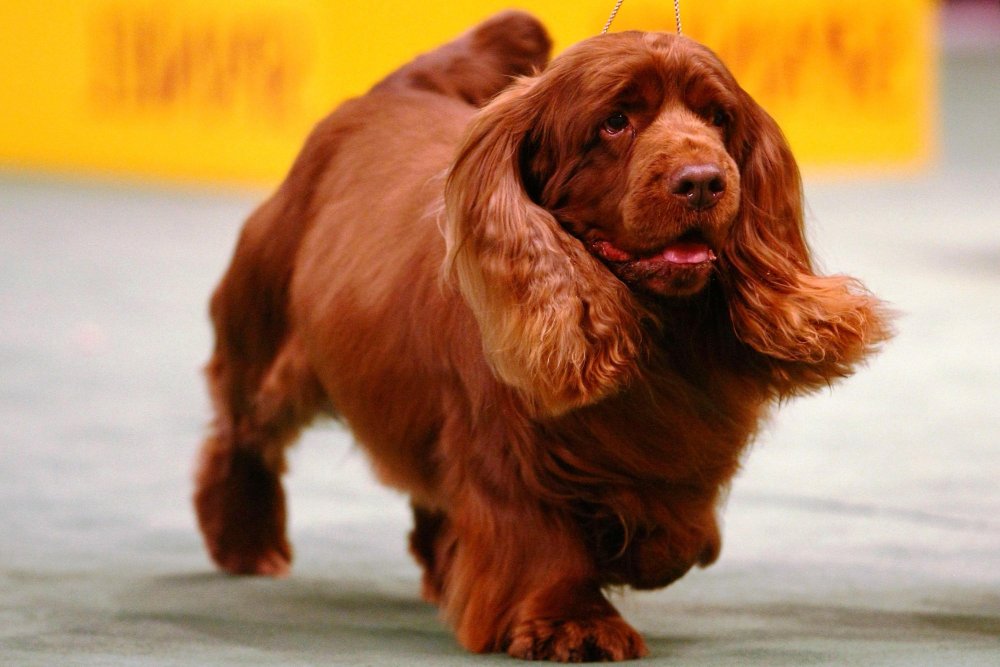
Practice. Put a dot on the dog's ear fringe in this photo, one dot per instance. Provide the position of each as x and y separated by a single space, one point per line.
810 329
555 324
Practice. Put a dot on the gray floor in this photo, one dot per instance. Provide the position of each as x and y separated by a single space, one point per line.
865 528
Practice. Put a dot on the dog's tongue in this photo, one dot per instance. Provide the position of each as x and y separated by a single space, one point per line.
687 253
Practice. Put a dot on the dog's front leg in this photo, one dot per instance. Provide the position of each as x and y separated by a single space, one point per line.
522 581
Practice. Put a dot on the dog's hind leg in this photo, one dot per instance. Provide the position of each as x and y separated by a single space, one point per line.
239 498
480 63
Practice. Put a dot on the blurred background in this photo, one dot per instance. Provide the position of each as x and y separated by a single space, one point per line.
225 90
136 136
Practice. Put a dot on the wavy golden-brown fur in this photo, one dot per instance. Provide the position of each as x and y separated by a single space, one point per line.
553 309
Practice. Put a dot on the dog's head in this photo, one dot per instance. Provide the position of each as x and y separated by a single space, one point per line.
635 153
635 169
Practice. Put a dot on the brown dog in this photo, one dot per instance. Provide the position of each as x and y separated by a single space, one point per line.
553 310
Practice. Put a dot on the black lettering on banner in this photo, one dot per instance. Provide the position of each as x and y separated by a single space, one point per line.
151 61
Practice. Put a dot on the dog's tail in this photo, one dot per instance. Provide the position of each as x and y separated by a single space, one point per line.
480 63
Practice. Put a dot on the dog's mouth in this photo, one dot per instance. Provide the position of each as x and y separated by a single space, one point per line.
681 253
680 267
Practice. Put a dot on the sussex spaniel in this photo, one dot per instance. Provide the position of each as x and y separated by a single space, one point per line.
552 301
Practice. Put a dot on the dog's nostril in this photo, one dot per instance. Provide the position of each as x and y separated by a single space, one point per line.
700 186
684 188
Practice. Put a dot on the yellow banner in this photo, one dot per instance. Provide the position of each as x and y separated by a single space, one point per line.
227 89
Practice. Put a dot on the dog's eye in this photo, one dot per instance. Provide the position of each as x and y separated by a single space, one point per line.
719 117
615 124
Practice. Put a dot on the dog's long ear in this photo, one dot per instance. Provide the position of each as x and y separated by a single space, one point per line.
555 324
811 329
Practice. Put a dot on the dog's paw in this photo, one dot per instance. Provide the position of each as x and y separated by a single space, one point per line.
576 640
274 563
249 549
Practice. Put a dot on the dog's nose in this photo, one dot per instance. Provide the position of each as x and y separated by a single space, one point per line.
699 185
